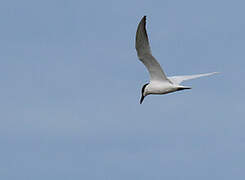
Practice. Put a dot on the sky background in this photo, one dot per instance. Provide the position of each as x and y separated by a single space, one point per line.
70 84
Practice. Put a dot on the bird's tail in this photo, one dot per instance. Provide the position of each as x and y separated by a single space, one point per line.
183 88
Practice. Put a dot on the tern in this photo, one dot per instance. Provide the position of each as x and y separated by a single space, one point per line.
159 82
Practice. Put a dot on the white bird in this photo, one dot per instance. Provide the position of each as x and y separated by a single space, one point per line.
159 82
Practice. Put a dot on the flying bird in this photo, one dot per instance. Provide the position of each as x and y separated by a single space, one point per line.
159 82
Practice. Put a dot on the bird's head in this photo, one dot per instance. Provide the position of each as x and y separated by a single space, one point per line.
143 93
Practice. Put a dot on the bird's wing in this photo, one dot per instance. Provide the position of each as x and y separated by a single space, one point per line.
179 79
144 53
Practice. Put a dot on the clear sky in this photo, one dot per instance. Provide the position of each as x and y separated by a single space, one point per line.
70 84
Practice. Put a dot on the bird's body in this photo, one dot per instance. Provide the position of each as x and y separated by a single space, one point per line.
159 82
162 88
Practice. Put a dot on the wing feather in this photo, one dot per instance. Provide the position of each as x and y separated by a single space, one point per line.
144 53
180 79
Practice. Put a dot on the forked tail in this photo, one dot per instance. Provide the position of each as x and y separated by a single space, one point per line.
180 88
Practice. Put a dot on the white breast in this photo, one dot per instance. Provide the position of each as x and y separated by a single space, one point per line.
160 88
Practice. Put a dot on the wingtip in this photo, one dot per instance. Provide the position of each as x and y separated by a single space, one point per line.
143 18
212 73
215 73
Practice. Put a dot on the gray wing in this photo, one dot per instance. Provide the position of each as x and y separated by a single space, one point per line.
179 79
144 53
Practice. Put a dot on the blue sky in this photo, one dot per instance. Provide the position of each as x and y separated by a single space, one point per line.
70 87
